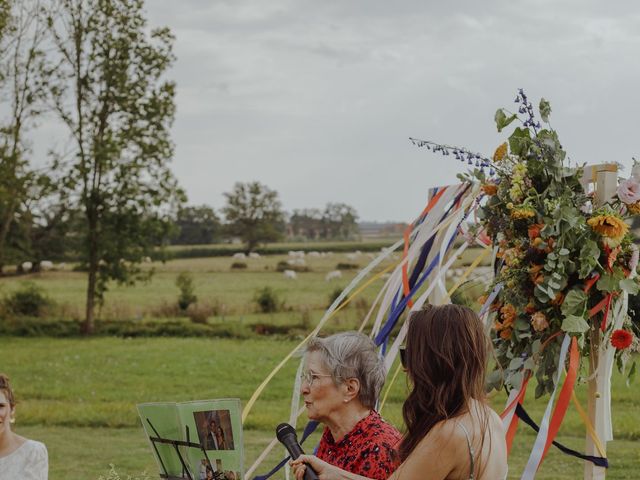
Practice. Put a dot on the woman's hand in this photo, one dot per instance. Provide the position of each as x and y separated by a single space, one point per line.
324 470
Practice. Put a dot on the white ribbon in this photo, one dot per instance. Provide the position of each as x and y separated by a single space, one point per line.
538 447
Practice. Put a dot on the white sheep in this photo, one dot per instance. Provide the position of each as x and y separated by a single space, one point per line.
314 254
46 265
62 266
352 256
239 256
290 274
254 255
298 262
146 259
333 275
296 253
26 266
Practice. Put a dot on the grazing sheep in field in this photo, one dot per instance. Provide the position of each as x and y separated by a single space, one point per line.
296 253
298 262
314 254
146 259
46 265
290 274
62 266
239 256
335 274
254 255
26 266
352 256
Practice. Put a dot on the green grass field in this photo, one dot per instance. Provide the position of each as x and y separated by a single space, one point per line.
79 397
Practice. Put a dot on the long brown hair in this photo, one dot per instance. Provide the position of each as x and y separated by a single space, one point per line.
446 357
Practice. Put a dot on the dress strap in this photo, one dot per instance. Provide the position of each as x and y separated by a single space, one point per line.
471 452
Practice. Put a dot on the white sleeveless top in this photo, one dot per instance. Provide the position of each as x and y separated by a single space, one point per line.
28 462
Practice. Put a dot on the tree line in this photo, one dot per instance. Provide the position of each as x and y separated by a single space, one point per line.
107 193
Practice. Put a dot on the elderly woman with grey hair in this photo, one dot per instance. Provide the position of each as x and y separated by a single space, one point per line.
340 386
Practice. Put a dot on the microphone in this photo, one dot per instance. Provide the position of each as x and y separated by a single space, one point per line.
287 436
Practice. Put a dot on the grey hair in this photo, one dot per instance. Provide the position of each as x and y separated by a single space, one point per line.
352 355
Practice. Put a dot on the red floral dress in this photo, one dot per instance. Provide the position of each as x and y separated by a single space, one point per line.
369 449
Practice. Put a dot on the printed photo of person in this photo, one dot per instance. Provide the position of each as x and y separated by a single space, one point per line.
214 429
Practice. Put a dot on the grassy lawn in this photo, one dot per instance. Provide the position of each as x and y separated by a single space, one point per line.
79 397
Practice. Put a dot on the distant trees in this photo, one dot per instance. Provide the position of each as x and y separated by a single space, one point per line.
197 225
254 213
338 221
107 87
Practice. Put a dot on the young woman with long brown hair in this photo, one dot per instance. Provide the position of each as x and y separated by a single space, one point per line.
452 434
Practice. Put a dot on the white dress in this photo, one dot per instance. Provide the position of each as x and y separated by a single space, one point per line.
28 462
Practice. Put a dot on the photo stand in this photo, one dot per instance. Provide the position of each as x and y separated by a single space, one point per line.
186 474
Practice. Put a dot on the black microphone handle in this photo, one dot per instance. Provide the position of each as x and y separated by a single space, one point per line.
295 450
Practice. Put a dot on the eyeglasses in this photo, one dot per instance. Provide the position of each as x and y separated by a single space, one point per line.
309 377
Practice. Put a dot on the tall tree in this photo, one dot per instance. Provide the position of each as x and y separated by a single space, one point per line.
108 89
254 213
22 88
197 225
306 223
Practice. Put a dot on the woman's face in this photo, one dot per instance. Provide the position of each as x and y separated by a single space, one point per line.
322 398
6 412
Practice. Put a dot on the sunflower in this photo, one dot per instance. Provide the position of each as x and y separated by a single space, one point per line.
500 152
609 225
634 208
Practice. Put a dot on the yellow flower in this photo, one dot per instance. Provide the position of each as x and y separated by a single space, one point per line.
522 212
500 152
634 208
609 226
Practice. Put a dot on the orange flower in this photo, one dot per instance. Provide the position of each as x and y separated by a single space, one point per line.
500 152
508 314
506 334
534 230
490 188
482 299
559 299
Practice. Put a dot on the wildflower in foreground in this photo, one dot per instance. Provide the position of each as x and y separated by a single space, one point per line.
490 188
621 339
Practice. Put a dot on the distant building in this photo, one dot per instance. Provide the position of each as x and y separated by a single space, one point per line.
381 229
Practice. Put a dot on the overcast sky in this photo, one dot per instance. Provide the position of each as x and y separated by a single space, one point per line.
317 99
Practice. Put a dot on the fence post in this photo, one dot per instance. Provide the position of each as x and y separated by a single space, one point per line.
604 178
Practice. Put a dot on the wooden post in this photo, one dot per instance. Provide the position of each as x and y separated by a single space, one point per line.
605 180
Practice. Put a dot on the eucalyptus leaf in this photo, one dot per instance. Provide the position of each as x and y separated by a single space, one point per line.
516 363
574 324
609 282
519 141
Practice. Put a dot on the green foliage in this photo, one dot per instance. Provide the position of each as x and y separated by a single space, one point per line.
347 266
267 300
28 301
502 120
184 282
284 265
254 213
196 225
